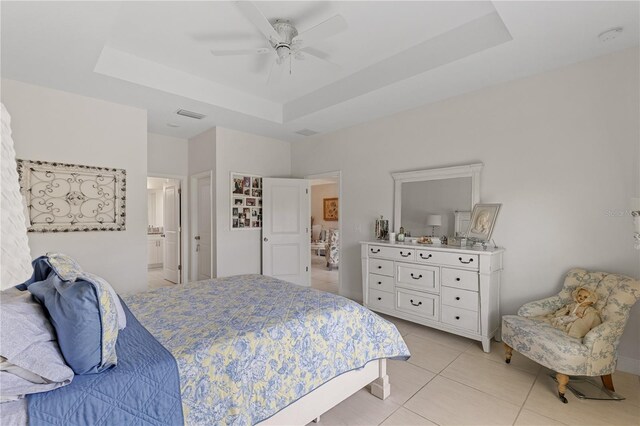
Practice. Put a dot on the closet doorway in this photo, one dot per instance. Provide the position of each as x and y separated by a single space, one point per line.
164 231
326 224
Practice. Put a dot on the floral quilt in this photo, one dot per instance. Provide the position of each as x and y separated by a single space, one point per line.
248 346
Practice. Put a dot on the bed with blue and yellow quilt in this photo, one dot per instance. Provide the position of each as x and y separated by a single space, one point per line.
248 346
232 351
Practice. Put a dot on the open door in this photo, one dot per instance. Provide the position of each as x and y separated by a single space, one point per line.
171 260
286 242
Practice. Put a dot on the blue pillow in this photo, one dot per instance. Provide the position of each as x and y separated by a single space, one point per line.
81 309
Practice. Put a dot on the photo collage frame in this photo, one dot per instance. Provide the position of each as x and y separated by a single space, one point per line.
246 201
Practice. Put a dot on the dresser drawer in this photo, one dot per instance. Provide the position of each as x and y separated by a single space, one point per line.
461 318
449 259
381 283
397 253
421 304
466 280
418 277
380 299
457 298
381 267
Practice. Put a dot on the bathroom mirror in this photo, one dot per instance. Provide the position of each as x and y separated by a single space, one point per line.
436 201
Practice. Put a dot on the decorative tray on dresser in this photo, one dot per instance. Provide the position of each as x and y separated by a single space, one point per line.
453 289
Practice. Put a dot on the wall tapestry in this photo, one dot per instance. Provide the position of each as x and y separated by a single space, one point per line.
246 201
69 197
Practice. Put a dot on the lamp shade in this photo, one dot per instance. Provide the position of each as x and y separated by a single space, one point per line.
434 220
15 257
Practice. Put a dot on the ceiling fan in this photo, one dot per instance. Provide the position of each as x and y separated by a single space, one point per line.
284 39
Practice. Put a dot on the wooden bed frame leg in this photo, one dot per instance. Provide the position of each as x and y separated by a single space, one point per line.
316 420
381 387
607 382
508 351
562 379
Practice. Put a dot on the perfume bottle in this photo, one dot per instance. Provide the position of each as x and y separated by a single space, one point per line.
400 236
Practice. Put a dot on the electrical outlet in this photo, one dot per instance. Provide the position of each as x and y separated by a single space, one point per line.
358 228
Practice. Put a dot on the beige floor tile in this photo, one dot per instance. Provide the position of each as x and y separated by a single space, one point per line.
428 354
497 354
406 379
156 279
543 399
362 408
404 417
627 385
529 418
446 402
486 375
446 339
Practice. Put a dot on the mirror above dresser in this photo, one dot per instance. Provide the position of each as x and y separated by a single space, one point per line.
436 202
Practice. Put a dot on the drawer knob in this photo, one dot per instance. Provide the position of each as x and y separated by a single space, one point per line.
415 304
376 251
416 278
405 255
462 261
458 279
457 297
379 282
379 267
457 318
379 298
422 256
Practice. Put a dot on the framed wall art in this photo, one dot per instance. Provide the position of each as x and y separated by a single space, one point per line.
72 198
330 209
483 220
246 201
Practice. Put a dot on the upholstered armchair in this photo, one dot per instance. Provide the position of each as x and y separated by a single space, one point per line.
331 251
596 353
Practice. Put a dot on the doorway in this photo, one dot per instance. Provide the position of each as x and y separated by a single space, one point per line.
164 229
325 231
203 253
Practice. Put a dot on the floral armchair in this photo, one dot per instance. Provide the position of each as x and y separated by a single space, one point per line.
332 253
596 353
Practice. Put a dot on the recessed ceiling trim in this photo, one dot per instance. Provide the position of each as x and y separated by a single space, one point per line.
134 69
473 37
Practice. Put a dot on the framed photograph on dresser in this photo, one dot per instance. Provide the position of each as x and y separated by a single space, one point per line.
483 220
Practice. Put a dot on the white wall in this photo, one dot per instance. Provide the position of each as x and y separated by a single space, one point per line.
560 152
318 194
239 251
51 125
167 155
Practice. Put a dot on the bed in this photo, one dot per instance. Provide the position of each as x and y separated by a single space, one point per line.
249 350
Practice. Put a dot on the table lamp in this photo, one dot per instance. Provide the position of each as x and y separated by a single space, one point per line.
434 220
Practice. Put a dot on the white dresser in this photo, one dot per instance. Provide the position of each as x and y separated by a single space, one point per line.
452 289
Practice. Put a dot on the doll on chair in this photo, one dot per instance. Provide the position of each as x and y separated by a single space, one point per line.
578 317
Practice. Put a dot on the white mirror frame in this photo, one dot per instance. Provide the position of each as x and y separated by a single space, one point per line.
468 170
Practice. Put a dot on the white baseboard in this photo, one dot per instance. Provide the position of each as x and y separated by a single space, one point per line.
628 365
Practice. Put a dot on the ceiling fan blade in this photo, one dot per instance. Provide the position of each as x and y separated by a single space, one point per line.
253 14
326 29
258 51
304 55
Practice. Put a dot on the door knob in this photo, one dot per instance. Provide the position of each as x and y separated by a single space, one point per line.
197 237
265 239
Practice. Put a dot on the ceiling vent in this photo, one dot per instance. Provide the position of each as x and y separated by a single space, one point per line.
306 132
190 114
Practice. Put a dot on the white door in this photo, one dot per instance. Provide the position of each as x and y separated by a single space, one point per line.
171 213
286 244
203 228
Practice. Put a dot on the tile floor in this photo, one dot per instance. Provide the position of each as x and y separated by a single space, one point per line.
321 277
156 279
449 380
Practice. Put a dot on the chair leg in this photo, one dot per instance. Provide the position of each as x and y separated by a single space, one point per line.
562 379
607 382
508 350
